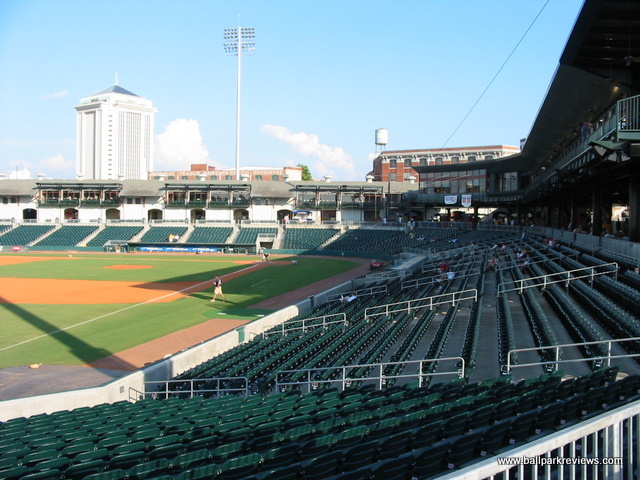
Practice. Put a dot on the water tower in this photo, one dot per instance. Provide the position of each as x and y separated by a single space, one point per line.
382 138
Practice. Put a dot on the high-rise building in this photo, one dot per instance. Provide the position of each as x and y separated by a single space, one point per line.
114 135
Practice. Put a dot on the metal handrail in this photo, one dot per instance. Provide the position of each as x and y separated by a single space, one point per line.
193 391
567 278
362 292
426 281
282 330
313 383
417 303
605 359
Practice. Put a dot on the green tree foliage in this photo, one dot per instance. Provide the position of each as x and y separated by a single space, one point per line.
306 174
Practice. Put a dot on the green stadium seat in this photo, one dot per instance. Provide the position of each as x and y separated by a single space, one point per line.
149 469
117 474
206 472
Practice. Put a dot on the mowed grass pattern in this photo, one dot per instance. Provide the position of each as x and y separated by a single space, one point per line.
81 334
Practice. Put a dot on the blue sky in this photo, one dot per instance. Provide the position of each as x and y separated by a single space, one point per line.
324 76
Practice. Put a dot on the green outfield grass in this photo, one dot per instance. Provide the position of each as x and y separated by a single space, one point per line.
80 334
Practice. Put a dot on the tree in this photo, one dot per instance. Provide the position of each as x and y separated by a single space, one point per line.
306 174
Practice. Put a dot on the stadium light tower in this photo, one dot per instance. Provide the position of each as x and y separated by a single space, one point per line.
239 41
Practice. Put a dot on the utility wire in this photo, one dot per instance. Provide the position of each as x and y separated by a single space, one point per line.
496 75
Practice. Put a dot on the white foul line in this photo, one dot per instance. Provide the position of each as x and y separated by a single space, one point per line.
113 313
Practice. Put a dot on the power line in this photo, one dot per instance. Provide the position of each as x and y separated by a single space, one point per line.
496 75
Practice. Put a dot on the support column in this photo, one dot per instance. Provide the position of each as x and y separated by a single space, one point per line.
573 211
493 182
596 209
634 207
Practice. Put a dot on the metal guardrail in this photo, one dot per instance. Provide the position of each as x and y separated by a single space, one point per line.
418 303
289 329
195 387
370 277
606 446
553 278
361 292
603 360
313 382
426 281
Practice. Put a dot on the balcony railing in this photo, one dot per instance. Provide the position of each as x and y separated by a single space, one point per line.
628 115
55 202
328 205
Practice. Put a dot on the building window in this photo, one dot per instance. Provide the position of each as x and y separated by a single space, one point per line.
258 177
275 177
227 177
455 159
392 177
509 182
488 157
407 162
423 162
438 160
471 158
213 177
393 163
171 177
184 177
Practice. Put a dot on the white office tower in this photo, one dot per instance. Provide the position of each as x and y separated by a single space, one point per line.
114 136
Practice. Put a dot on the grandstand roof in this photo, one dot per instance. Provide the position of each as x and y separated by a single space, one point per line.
599 63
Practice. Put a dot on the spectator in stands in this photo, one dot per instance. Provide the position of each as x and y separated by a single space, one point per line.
444 267
217 289
523 262
349 298
493 264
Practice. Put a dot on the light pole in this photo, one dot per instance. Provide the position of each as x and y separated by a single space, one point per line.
239 42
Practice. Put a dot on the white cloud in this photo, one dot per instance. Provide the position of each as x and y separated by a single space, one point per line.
56 162
179 146
329 160
53 96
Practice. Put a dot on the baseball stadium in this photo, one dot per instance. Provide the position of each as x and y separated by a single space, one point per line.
494 340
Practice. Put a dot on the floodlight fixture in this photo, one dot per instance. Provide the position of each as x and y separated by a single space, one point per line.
239 42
